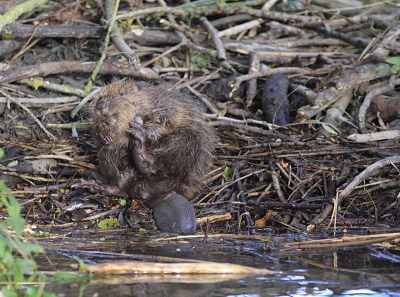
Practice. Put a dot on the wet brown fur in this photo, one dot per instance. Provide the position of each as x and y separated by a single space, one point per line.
180 141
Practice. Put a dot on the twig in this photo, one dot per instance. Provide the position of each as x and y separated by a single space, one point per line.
151 11
69 126
345 241
235 110
344 82
83 102
201 49
56 31
214 218
251 85
235 84
181 29
244 127
13 13
335 112
38 82
276 184
215 38
116 35
240 28
231 19
367 100
236 167
370 170
245 122
51 136
171 50
106 42
204 99
268 4
199 80
43 101
377 136
45 69
171 19
21 50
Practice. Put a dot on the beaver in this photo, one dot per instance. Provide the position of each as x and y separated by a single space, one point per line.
154 145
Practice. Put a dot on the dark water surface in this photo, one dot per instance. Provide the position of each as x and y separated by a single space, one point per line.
362 271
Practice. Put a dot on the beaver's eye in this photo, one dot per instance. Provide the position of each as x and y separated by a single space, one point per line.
121 94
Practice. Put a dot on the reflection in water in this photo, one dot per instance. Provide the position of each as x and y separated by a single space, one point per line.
243 288
346 272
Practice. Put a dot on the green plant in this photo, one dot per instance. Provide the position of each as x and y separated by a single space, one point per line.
201 60
15 252
395 68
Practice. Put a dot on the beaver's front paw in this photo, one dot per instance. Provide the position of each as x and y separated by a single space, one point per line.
175 214
138 146
97 187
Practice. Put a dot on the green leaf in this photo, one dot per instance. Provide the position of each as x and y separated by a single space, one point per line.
8 292
31 292
393 60
227 173
1 153
12 163
34 292
30 248
18 273
200 59
18 225
109 223
3 278
205 70
122 24
82 265
88 87
395 68
3 245
383 69
7 259
23 266
63 276
13 206
329 129
48 294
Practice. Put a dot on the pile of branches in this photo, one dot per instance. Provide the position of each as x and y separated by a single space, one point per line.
302 94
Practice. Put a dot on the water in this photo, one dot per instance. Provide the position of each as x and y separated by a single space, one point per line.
363 271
